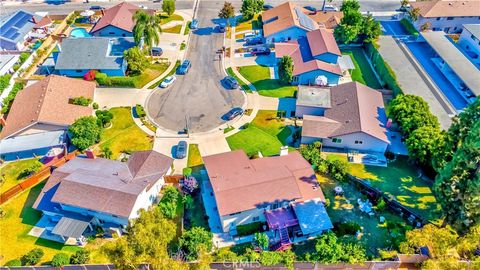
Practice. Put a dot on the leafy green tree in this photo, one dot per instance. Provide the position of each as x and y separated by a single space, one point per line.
104 117
193 240
147 27
203 261
169 202
146 242
424 143
81 256
371 29
32 257
457 185
349 5
251 7
414 13
85 132
330 249
412 112
227 11
136 60
107 152
60 259
285 69
441 263
354 27
261 240
439 239
168 6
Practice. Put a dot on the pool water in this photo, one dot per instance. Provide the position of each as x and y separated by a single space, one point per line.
79 32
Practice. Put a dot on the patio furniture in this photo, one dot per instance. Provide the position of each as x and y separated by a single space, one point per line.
338 190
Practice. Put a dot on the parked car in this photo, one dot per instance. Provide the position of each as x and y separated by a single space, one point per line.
267 7
157 51
310 8
222 28
249 35
330 8
260 51
234 112
254 41
168 81
96 8
194 24
231 82
184 67
181 149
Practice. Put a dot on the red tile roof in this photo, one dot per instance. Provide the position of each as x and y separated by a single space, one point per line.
447 8
327 19
242 184
321 41
47 101
119 16
354 108
286 17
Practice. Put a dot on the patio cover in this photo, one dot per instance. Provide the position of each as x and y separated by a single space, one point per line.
457 61
345 62
33 141
281 217
69 227
312 216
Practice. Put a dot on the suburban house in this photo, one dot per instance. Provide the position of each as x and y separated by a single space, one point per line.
446 15
40 115
117 21
470 41
461 70
327 19
7 61
86 193
280 192
77 56
315 58
349 116
15 30
286 22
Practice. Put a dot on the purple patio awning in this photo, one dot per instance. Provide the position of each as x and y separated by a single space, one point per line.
281 217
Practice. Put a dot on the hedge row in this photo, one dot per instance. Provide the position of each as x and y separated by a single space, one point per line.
383 69
409 27
7 102
119 81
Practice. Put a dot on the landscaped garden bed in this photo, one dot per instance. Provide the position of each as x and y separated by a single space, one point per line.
259 76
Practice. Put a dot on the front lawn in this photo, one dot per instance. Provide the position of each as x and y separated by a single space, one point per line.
173 30
259 76
363 72
194 158
152 72
243 85
253 140
12 172
124 135
254 23
268 122
164 18
19 219
401 180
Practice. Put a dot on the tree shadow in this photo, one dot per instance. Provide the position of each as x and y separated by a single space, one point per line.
29 215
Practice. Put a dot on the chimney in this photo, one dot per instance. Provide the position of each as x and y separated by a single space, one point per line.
90 153
284 150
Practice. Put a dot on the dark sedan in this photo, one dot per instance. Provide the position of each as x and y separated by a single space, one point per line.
234 112
260 51
184 67
231 82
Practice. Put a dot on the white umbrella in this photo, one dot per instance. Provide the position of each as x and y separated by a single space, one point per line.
87 13
321 80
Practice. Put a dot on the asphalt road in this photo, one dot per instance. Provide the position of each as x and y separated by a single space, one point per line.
64 8
197 97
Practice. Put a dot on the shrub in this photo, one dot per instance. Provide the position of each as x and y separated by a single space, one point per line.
190 184
60 259
30 170
140 110
95 106
409 27
193 240
187 171
349 227
250 228
32 257
16 67
136 59
82 101
4 81
103 117
81 256
14 262
85 132
120 81
7 102
338 169
170 201
23 57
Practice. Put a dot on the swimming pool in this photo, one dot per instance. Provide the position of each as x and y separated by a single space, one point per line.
79 32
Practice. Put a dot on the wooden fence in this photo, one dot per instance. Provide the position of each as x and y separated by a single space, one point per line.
38 177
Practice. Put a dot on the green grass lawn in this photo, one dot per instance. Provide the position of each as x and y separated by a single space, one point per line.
124 134
11 172
249 24
259 76
187 28
173 30
194 157
363 72
268 122
19 219
164 18
253 140
155 85
400 180
152 72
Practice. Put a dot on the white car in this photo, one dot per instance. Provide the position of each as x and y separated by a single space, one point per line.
168 81
330 8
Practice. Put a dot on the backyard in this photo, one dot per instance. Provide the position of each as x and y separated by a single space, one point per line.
401 180
265 134
259 76
13 173
363 72
124 135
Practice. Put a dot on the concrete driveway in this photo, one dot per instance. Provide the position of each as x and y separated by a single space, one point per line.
197 97
116 97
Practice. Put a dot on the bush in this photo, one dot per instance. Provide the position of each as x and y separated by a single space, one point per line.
349 227
16 67
85 132
15 262
192 241
32 257
103 117
82 101
81 256
383 69
30 170
4 81
409 27
60 259
168 6
8 101
250 228
169 203
95 106
338 169
23 57
136 59
140 110
119 81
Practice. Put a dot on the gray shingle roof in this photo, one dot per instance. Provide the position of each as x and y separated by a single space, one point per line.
474 29
92 53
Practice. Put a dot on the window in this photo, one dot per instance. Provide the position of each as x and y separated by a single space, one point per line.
336 140
438 19
257 218
358 142
449 18
78 70
111 33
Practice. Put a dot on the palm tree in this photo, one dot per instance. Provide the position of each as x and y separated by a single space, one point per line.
147 27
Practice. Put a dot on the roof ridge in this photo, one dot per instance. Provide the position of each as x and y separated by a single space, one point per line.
43 96
358 105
